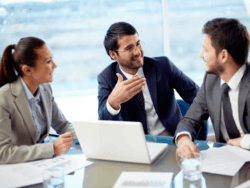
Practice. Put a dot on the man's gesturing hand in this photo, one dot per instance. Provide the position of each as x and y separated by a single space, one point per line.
125 90
63 143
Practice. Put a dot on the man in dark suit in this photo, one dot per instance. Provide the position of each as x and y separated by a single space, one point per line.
224 95
138 88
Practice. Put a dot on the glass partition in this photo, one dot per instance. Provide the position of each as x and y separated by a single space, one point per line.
74 30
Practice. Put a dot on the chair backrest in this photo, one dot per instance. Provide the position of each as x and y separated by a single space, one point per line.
202 134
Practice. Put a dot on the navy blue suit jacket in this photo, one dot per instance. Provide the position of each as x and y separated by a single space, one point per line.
162 78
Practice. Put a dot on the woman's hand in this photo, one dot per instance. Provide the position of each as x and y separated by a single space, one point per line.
63 143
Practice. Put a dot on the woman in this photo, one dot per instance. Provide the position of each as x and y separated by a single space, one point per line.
27 107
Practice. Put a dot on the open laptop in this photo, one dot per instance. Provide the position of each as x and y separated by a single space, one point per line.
116 141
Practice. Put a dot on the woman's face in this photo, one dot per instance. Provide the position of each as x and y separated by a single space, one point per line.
44 67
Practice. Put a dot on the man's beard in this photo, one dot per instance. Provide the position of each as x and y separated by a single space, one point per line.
131 65
216 69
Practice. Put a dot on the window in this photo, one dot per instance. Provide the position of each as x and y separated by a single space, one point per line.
185 21
75 30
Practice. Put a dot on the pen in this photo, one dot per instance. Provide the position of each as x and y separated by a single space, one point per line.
197 145
57 135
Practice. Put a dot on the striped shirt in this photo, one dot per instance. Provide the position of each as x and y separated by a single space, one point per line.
36 110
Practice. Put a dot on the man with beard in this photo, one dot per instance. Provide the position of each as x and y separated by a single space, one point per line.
224 95
138 88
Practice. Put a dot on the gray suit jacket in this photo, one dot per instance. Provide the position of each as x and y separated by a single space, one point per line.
207 103
17 129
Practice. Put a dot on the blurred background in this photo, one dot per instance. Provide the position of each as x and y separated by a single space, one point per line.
74 31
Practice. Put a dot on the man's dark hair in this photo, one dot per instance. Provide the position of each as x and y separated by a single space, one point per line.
116 31
231 35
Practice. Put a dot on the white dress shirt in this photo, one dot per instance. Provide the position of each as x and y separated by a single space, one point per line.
234 84
154 124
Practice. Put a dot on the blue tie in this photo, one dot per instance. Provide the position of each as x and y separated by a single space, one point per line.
142 104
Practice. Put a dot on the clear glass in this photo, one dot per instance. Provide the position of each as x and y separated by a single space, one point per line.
191 168
54 177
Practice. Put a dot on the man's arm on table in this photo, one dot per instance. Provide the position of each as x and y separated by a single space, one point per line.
189 126
111 100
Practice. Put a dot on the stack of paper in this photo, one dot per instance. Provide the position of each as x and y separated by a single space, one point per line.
144 180
225 160
31 172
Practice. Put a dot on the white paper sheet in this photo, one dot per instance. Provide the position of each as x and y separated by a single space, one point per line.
243 153
144 180
225 160
228 170
31 172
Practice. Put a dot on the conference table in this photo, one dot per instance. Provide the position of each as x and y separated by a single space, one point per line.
104 174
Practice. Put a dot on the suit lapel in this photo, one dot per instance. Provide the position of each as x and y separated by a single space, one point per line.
217 108
22 105
47 106
243 93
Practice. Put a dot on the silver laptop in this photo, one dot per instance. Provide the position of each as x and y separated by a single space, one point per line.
116 141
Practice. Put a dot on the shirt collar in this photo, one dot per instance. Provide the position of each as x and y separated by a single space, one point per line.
29 95
139 73
234 82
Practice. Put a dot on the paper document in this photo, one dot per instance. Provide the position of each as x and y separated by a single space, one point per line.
225 160
31 172
144 180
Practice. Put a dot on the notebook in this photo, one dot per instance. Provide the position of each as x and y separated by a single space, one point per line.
116 141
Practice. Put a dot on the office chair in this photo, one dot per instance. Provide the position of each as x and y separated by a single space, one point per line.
202 134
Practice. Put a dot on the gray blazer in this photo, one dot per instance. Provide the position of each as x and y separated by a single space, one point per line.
207 103
17 129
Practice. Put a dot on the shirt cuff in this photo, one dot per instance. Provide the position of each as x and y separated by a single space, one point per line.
245 141
111 110
181 133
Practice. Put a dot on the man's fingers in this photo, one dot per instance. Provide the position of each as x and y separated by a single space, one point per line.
186 150
186 147
136 84
196 150
120 79
136 91
192 147
134 79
